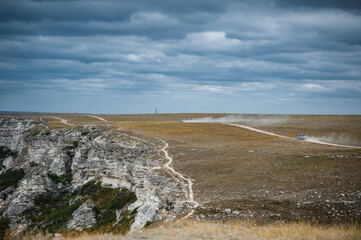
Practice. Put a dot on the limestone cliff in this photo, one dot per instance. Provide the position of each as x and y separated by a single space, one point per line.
92 176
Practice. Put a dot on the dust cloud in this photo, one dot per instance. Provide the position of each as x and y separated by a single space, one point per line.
334 138
256 121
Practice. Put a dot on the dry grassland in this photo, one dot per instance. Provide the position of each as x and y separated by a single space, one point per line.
262 177
192 230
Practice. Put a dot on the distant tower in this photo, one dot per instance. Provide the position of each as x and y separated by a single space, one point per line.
156 111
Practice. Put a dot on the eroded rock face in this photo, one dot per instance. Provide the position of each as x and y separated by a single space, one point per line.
123 161
83 217
33 184
12 131
63 160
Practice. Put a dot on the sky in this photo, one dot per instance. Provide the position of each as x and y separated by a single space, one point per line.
232 56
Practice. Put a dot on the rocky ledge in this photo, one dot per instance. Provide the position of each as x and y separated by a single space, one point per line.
92 177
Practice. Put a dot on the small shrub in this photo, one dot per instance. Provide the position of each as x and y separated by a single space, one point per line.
11 178
75 144
148 223
64 179
4 225
36 133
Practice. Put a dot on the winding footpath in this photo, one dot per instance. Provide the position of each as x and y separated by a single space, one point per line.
166 166
189 194
63 121
286 137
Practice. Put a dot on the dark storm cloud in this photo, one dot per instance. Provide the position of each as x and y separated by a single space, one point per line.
154 19
113 10
344 4
271 51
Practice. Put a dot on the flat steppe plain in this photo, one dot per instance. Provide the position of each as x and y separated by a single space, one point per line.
240 174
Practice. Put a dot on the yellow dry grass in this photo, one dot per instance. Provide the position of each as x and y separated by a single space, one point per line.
193 230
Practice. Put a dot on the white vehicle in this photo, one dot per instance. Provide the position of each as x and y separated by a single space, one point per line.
302 137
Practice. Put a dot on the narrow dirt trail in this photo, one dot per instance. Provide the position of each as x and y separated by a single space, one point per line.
176 175
99 118
63 121
286 137
190 195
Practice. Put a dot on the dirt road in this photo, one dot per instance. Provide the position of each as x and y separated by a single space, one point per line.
63 121
282 136
99 118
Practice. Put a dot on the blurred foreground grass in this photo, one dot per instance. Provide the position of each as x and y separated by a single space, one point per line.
232 230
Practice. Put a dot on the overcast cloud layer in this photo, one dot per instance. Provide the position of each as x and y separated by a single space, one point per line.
258 56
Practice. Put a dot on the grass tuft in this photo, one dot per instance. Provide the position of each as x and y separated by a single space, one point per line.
75 144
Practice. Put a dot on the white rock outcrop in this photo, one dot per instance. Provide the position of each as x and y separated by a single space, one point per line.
97 153
12 131
83 217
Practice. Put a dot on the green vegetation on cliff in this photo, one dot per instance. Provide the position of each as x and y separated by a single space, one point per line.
4 225
64 179
10 178
52 212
